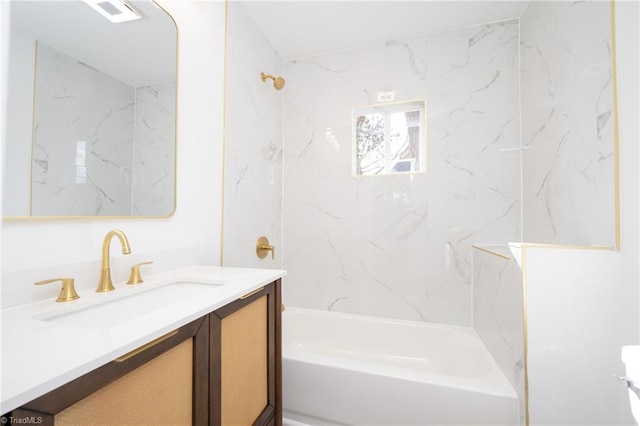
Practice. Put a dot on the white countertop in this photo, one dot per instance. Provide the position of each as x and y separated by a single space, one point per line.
39 356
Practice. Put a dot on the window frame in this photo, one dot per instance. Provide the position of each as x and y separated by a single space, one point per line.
388 108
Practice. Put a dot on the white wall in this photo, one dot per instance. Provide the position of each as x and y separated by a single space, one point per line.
196 223
628 52
581 309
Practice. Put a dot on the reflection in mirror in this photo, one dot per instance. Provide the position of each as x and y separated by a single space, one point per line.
91 128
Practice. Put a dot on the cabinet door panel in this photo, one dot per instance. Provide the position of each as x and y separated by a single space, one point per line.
157 393
244 364
245 385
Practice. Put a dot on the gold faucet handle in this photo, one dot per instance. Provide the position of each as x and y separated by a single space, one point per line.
263 246
135 277
68 291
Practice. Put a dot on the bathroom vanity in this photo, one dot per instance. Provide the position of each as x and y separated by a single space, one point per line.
203 348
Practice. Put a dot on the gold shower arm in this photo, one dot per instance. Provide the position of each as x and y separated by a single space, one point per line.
278 82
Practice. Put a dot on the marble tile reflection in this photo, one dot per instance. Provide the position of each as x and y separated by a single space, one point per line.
101 147
154 151
78 150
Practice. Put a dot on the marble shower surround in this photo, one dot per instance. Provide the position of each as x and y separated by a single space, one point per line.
400 246
253 145
498 312
568 123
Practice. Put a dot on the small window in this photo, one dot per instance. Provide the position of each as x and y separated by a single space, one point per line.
390 138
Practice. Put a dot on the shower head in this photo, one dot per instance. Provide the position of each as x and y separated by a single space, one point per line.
278 82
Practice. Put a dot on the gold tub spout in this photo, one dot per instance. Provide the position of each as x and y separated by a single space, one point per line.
105 284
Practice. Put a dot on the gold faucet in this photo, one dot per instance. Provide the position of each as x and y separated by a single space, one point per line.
105 284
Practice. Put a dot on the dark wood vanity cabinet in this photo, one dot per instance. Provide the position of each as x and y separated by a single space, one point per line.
221 369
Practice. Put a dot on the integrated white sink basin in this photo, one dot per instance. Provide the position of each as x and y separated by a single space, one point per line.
132 306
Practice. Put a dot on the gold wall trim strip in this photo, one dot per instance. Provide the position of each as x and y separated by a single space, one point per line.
525 353
567 247
489 251
33 127
224 129
616 127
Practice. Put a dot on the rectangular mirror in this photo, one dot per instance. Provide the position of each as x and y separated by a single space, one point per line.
91 111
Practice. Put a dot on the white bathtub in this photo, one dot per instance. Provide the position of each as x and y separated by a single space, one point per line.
352 369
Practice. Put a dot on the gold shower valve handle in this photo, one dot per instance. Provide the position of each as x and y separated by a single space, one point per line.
68 291
263 246
135 277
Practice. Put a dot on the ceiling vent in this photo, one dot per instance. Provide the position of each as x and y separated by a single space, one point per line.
115 10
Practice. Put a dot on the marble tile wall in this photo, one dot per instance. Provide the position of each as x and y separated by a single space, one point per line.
253 145
567 123
498 311
154 150
61 185
400 246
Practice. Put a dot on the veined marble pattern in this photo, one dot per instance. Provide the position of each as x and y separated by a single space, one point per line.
253 145
66 182
498 312
567 123
154 150
400 246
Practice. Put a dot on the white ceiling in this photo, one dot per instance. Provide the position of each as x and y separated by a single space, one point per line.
301 28
138 53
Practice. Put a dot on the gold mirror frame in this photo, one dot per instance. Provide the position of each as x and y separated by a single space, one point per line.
13 218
